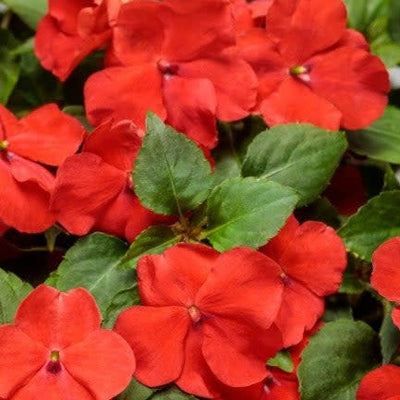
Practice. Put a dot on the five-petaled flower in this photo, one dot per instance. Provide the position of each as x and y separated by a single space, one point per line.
205 318
56 350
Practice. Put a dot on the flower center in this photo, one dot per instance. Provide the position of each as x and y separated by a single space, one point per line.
285 278
301 72
54 365
194 313
3 145
167 68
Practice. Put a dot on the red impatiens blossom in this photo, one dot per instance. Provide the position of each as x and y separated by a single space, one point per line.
309 73
93 189
47 136
56 350
173 58
71 30
381 384
205 318
312 258
385 276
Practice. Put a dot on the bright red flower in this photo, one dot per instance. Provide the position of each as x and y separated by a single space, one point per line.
312 258
381 384
56 350
385 276
46 135
175 59
71 30
308 73
93 189
205 318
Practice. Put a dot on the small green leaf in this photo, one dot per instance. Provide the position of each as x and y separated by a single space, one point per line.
247 212
12 292
381 140
30 11
153 240
301 156
136 391
172 394
9 67
92 263
336 359
394 19
283 360
171 174
373 224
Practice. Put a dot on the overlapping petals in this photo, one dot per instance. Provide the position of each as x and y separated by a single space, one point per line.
221 307
53 349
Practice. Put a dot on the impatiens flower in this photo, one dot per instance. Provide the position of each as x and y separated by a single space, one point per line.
381 384
56 350
385 277
175 59
71 30
312 258
93 189
205 318
309 73
47 136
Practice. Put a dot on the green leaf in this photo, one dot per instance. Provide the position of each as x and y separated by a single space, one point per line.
361 13
153 240
136 391
394 20
373 224
381 140
92 263
9 67
247 212
172 394
301 156
12 292
30 11
283 360
335 360
389 335
171 174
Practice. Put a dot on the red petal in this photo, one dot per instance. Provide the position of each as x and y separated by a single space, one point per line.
236 349
8 123
315 256
299 26
117 144
50 317
85 185
386 263
175 277
103 363
352 80
243 284
124 93
157 337
293 101
300 310
25 205
191 107
381 384
47 135
207 25
196 377
233 101
48 386
20 358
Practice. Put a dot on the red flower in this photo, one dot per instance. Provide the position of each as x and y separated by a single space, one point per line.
46 135
94 189
385 276
56 350
205 318
173 58
312 74
71 30
312 258
381 384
